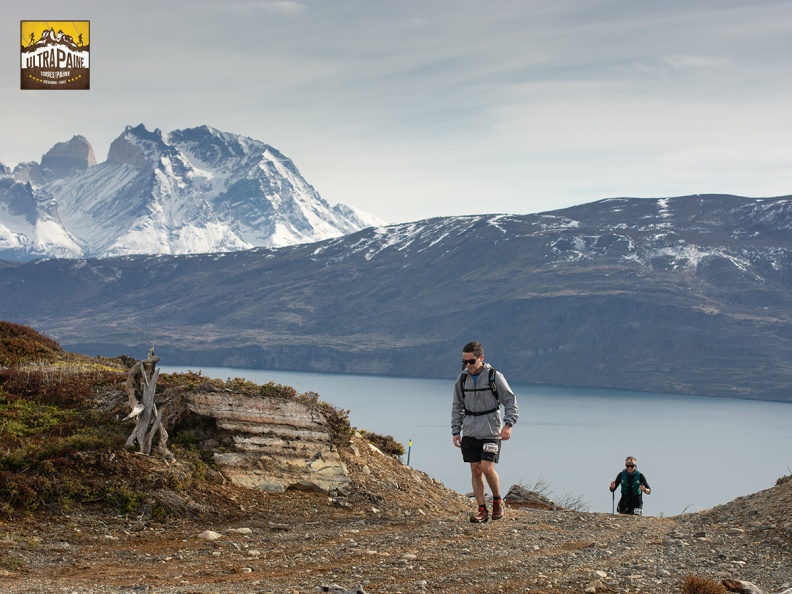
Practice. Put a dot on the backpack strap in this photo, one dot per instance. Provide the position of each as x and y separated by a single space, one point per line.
492 384
492 388
636 483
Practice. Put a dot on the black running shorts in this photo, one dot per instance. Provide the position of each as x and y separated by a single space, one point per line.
476 450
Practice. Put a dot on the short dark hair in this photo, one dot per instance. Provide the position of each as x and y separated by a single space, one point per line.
473 347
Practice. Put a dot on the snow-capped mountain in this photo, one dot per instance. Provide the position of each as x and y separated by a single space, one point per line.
198 190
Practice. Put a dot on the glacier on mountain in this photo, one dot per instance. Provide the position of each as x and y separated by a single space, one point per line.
198 190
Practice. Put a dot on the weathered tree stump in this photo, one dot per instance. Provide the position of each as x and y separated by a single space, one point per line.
141 385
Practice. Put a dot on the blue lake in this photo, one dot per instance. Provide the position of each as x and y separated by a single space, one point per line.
696 452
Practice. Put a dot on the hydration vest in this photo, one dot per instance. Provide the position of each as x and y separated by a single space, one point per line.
636 485
493 387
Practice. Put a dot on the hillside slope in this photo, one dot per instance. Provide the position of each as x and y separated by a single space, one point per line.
396 530
419 540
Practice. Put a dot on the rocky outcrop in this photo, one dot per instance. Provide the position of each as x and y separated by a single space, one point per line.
17 199
29 172
520 497
66 158
269 443
124 152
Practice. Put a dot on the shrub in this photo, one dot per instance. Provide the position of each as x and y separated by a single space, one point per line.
695 585
336 419
53 386
50 430
21 344
125 499
193 468
193 381
386 444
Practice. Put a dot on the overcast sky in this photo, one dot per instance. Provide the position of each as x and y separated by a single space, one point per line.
409 109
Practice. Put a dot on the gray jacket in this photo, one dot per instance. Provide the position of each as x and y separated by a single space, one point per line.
482 426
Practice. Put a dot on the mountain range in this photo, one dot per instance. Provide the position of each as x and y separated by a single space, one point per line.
687 295
198 190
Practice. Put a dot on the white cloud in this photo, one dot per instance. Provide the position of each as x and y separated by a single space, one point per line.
412 108
286 7
690 61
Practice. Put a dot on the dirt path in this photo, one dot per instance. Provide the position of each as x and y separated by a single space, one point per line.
398 531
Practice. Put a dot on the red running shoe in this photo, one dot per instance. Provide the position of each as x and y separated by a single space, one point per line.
481 516
497 508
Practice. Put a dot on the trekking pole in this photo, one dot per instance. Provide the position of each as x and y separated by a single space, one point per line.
613 502
409 448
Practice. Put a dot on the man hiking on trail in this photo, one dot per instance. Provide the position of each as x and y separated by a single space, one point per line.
476 424
633 485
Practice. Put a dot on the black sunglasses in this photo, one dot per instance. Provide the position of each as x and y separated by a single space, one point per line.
630 465
469 361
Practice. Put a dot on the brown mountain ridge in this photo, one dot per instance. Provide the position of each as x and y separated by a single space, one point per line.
685 295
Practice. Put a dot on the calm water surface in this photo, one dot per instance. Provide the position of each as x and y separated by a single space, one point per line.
696 452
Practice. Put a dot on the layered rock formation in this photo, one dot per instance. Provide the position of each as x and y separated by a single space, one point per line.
269 443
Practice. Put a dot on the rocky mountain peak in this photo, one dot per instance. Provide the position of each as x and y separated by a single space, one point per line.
138 147
198 190
17 199
67 158
29 172
211 145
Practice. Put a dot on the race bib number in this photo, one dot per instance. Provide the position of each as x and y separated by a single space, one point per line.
491 448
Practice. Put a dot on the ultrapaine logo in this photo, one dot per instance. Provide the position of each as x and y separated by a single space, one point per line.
56 55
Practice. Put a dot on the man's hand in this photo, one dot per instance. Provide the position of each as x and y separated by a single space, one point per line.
613 486
505 433
458 440
645 490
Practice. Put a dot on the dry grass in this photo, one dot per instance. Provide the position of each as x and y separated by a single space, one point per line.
695 585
